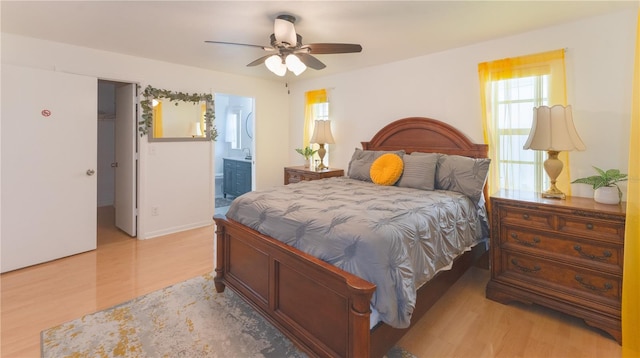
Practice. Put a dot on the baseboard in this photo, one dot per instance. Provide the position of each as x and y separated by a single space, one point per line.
175 229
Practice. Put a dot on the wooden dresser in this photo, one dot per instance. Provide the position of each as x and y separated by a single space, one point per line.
563 254
300 173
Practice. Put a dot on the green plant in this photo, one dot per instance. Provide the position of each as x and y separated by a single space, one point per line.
604 178
307 152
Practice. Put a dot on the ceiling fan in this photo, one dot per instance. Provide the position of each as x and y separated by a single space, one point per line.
288 52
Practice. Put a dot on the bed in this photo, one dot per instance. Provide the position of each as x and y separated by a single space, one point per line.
325 310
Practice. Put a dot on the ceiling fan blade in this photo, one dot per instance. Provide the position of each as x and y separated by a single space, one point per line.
266 48
311 61
259 61
284 30
328 48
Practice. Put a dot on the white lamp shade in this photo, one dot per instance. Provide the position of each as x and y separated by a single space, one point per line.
195 130
275 65
322 133
553 129
294 64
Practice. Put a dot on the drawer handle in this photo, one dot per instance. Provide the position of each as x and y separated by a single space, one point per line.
607 285
525 216
606 254
589 226
536 240
535 268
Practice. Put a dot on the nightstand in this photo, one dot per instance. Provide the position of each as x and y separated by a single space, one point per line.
300 173
562 254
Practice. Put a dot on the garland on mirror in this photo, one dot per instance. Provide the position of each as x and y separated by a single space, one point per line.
149 93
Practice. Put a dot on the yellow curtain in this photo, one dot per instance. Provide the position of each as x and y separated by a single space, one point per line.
631 273
311 98
546 63
203 124
157 120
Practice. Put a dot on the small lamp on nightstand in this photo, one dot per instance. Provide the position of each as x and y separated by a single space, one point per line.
322 135
553 130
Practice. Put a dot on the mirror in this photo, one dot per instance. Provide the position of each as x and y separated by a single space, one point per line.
234 127
169 116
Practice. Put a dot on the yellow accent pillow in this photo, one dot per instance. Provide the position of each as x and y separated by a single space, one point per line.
387 169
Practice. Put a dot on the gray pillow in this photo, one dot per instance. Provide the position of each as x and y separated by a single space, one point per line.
462 174
419 171
361 160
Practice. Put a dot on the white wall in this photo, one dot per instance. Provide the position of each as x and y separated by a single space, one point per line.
445 86
175 177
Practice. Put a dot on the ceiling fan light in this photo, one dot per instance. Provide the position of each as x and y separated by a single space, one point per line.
295 65
275 65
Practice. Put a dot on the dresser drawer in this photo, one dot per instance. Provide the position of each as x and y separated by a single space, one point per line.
294 177
550 277
527 217
592 228
298 174
587 253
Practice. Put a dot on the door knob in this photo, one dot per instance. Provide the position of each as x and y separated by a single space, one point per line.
90 172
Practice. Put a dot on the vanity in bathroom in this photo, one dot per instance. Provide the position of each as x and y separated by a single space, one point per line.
237 176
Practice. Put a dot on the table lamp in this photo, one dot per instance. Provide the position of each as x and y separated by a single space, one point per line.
553 130
322 135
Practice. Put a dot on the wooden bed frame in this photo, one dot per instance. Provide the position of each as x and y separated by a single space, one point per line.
322 309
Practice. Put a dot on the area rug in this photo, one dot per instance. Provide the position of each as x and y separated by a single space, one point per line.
188 319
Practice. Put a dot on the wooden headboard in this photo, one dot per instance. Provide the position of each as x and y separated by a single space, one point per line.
421 134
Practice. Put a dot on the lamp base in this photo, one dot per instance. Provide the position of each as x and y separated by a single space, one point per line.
553 193
321 153
553 167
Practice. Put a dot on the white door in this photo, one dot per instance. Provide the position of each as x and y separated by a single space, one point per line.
49 145
125 197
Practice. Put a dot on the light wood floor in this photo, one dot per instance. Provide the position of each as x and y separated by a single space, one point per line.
462 324
122 268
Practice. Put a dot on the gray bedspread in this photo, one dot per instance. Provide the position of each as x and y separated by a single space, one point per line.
396 238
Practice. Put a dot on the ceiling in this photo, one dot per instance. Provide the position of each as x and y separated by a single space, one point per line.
175 31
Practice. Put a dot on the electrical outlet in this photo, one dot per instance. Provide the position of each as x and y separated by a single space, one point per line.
155 211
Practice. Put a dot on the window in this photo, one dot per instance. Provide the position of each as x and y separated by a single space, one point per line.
513 107
509 90
316 108
320 111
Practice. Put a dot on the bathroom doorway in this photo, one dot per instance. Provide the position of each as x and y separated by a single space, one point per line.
234 149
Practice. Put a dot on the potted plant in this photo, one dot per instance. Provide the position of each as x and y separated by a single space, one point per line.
307 152
605 185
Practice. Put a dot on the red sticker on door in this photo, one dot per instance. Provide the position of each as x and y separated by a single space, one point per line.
46 113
